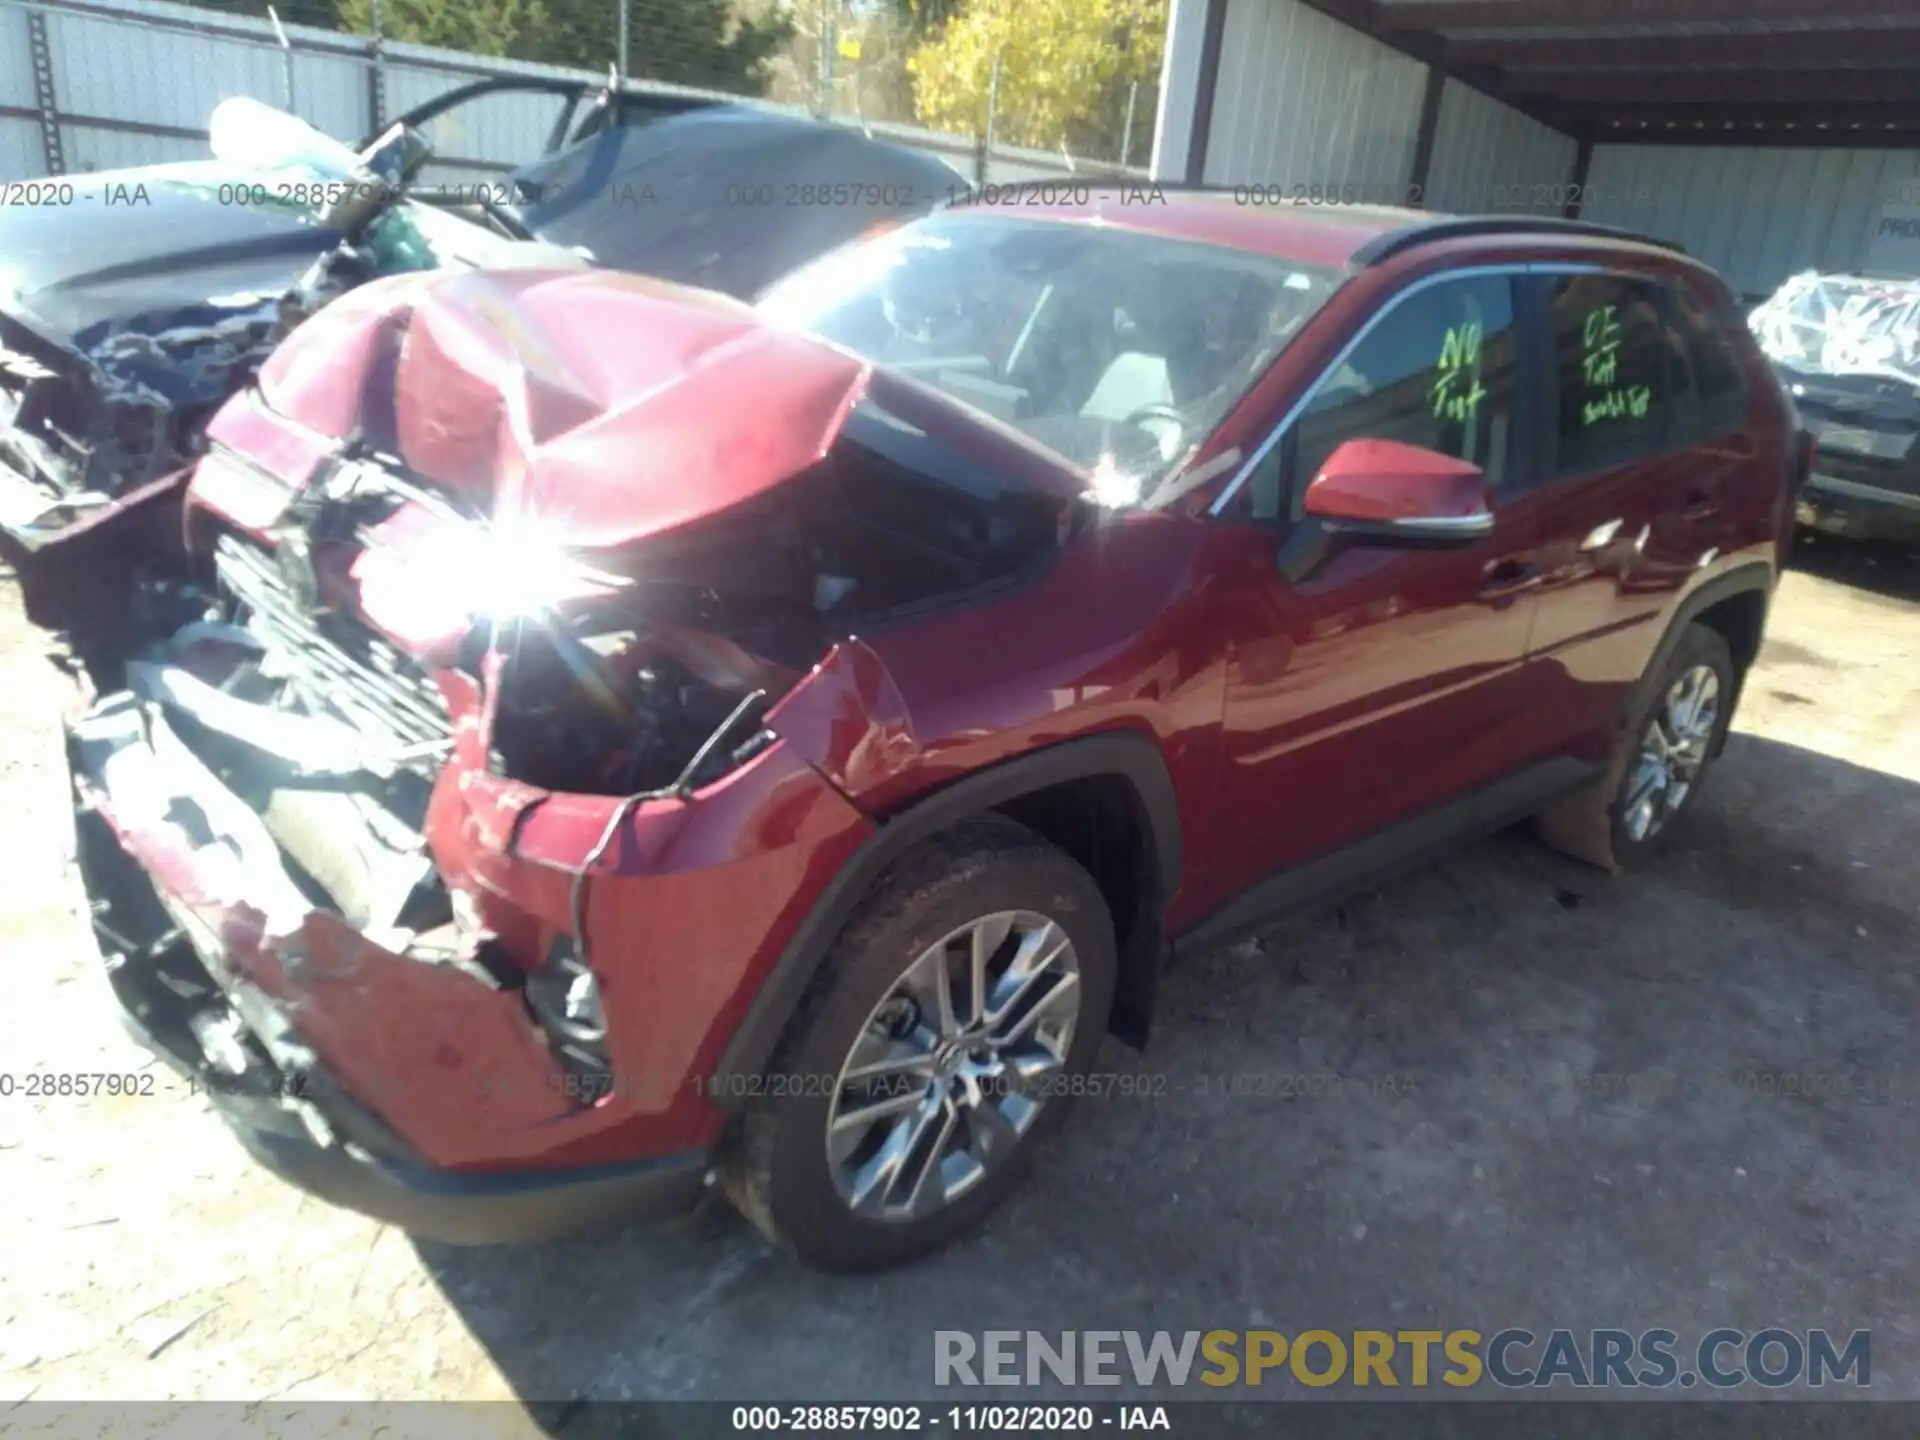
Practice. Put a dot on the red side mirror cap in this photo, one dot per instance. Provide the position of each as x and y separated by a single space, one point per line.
1390 491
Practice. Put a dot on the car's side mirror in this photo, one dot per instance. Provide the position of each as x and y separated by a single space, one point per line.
1390 493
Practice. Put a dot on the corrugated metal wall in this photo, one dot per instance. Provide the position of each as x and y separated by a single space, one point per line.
19 139
1755 215
124 63
1304 101
114 66
1319 109
1489 158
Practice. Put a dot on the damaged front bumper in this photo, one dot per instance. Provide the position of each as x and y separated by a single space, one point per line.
1855 509
375 1079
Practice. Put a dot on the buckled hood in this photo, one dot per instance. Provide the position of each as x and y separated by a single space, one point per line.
605 406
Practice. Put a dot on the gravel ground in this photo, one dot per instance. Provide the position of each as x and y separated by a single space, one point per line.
1556 1107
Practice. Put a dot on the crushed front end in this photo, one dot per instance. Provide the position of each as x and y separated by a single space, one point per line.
383 958
512 729
448 892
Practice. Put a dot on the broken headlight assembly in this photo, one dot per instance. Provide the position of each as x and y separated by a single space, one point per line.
564 996
564 993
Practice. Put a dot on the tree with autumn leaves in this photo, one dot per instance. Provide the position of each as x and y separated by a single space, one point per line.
708 43
1066 67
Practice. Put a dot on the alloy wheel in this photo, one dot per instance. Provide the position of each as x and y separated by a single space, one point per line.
1673 749
951 1068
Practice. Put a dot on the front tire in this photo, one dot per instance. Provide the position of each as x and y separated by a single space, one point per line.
935 1049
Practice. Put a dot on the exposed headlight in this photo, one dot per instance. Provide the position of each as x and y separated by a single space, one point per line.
564 995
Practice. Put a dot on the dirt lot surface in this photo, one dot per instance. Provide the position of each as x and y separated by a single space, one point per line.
1559 1102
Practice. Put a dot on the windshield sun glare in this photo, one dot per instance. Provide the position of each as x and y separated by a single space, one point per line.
1117 349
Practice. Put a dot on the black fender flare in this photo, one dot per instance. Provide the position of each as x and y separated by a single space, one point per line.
1128 754
1757 577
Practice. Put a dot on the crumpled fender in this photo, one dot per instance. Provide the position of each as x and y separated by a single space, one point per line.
848 720
685 912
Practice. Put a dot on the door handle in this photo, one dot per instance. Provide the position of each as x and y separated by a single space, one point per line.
1698 502
1601 536
1503 580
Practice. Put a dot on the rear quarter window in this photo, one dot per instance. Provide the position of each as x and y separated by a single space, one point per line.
1713 340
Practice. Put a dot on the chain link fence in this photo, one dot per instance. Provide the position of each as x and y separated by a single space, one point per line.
1074 80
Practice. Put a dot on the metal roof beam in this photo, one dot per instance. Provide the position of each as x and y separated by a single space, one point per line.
1902 139
1450 15
1838 125
1792 50
1735 90
1366 17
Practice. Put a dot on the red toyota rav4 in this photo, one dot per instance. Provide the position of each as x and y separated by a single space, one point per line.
627 742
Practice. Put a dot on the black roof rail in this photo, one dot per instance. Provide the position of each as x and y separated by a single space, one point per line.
1458 227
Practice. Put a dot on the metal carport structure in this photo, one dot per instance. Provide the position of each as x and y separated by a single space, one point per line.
1767 135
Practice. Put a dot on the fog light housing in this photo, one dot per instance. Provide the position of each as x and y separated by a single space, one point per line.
564 995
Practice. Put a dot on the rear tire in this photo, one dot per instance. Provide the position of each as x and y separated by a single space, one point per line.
964 1092
1666 747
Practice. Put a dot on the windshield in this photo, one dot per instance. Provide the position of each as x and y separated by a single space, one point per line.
1119 350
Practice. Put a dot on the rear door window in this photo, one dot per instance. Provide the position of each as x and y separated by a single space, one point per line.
1615 377
1719 381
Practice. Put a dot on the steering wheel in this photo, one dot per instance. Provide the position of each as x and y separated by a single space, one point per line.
1156 410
